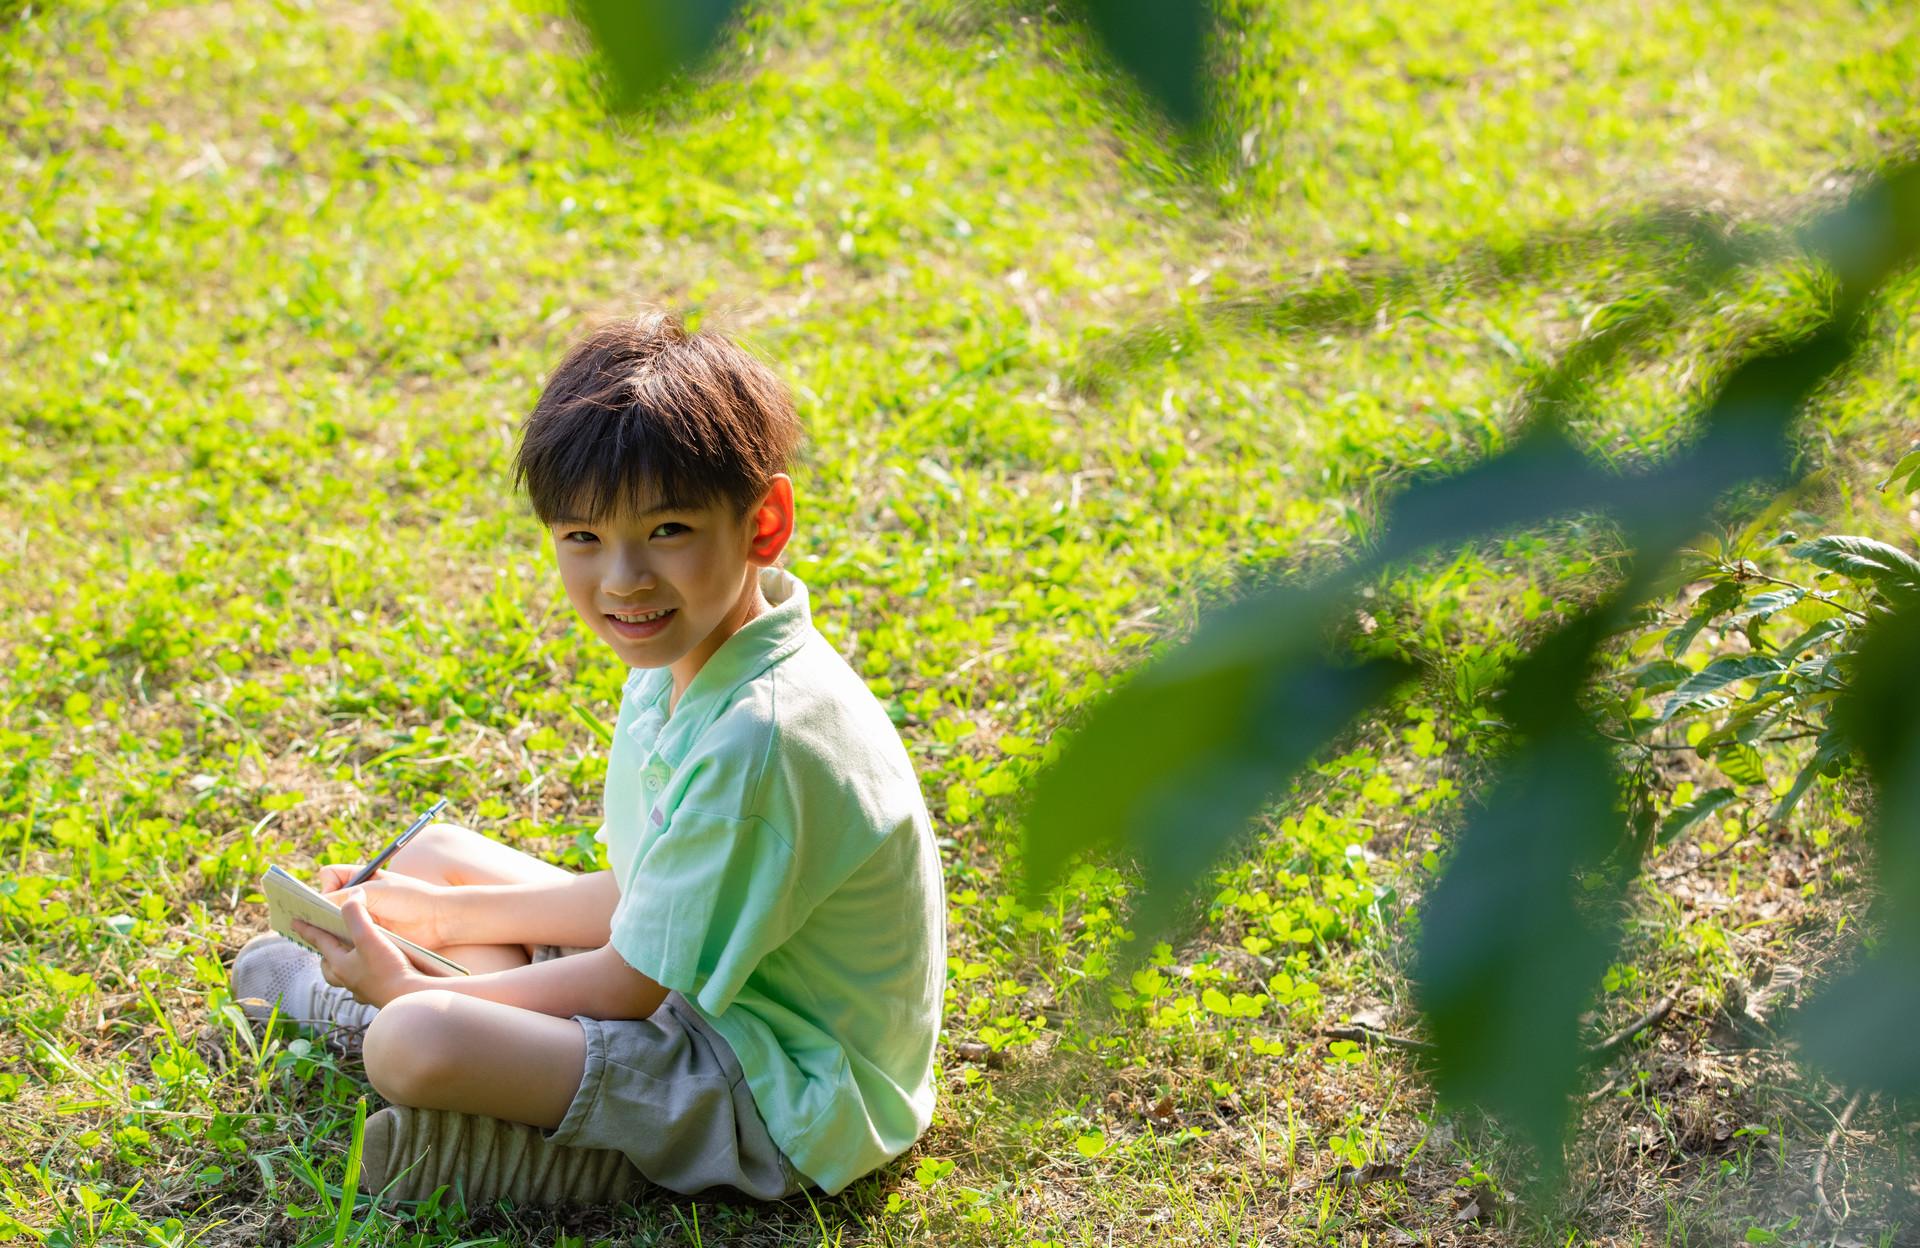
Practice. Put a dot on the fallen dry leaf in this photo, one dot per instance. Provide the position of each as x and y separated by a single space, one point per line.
1372 1018
1477 1207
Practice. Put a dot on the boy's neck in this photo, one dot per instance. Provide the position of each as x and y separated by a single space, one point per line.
752 604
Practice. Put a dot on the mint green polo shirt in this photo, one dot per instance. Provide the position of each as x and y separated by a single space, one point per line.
777 867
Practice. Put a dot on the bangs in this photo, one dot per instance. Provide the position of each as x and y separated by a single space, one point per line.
642 415
595 465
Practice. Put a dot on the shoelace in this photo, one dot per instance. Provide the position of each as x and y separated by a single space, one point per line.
335 1005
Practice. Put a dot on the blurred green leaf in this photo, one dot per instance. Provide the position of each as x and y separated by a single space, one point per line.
1179 759
1873 235
1514 937
1162 44
1853 1027
1849 1028
646 42
1544 474
1511 943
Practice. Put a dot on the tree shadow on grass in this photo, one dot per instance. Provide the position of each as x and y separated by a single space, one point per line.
1693 251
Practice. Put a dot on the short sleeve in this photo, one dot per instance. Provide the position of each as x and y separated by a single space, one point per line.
707 900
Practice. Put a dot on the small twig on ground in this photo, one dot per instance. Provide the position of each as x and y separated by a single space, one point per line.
1646 745
1606 1048
1826 1155
1372 1036
1618 1040
982 657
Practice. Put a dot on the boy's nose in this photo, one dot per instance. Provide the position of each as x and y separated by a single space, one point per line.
627 575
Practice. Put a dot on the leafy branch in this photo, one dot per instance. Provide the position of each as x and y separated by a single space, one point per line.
1174 764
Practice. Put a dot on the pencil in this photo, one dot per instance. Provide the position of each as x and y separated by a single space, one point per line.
393 847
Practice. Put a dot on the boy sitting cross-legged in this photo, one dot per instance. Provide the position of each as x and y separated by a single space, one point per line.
750 996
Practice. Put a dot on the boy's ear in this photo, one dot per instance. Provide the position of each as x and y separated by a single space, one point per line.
772 521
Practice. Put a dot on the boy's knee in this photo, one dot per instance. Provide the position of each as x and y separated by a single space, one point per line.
410 1047
431 850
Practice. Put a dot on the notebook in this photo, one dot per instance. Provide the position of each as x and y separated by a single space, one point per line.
288 899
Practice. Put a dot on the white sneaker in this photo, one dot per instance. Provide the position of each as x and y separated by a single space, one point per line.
271 969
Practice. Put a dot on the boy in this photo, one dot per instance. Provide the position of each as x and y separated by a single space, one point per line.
750 996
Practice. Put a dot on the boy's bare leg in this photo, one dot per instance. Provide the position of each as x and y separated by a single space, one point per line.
446 853
446 1050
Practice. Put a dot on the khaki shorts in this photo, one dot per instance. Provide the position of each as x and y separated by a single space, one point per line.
669 1093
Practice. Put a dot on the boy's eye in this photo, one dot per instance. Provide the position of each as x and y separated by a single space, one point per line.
671 528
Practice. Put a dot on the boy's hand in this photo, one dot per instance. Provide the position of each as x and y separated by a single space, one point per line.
372 968
401 904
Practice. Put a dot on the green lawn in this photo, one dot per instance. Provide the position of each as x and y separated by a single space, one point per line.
280 280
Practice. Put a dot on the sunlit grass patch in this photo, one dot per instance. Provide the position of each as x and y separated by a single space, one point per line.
281 280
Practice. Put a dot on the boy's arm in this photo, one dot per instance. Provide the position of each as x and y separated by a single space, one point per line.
577 910
598 984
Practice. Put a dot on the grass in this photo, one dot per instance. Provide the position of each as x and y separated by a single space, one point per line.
282 278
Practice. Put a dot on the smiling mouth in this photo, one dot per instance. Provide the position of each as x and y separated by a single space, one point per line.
640 625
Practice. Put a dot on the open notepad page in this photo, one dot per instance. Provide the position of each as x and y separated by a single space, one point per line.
288 899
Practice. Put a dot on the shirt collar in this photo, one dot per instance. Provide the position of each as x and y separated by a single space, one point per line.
759 644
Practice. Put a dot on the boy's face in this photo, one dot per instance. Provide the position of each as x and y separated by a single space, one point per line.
668 586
